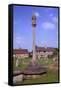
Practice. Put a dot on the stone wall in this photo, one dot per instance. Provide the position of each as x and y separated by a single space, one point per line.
18 78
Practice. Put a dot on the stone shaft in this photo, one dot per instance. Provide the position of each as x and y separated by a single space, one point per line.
34 51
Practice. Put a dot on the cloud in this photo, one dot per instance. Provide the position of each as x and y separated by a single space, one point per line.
19 41
37 14
55 19
48 26
51 15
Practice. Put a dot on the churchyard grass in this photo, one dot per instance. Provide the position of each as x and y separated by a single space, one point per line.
49 77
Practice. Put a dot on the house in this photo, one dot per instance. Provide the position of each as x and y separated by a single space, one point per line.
20 53
43 51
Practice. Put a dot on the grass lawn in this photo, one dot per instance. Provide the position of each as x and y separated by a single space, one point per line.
24 62
49 77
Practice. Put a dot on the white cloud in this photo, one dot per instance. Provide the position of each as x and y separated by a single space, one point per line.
19 41
55 19
37 14
48 26
51 15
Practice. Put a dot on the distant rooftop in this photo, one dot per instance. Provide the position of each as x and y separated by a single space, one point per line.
20 51
49 49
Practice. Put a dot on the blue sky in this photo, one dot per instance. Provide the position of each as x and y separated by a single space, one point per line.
46 29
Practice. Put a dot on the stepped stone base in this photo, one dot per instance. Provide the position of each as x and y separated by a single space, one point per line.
33 70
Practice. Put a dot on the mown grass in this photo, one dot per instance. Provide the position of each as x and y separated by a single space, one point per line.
46 78
24 62
50 77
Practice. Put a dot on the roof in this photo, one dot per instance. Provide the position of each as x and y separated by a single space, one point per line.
20 51
49 49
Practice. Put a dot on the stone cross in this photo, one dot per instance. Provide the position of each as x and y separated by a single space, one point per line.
33 32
